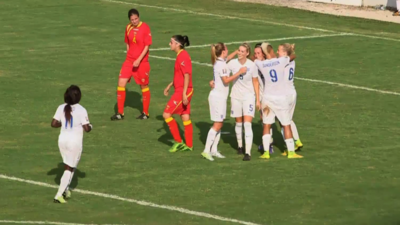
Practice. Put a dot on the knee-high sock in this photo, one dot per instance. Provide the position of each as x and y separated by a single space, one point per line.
188 133
214 147
146 100
212 134
294 131
248 137
63 183
173 127
239 135
121 95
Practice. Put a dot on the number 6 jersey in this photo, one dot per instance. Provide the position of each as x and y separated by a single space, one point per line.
278 74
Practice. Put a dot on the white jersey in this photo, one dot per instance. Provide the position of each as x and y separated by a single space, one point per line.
243 85
261 81
289 72
220 70
74 127
276 80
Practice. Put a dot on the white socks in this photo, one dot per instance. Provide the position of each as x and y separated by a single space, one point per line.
210 140
266 139
294 131
65 180
214 147
70 180
248 132
290 144
238 131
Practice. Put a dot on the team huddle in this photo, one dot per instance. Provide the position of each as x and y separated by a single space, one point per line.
263 81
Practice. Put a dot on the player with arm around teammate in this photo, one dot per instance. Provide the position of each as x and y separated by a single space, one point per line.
278 97
73 119
218 98
179 102
244 98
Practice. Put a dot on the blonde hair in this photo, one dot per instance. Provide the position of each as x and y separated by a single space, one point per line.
266 48
248 48
289 48
216 51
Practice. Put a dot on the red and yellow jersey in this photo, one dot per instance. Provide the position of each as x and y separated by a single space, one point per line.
137 38
183 65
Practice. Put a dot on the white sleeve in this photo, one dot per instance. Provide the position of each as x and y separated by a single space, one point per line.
230 67
59 113
224 72
284 60
84 118
255 71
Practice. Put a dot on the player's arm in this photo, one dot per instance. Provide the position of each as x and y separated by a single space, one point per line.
256 86
231 56
227 79
186 79
292 57
85 122
147 42
127 48
87 127
166 90
55 123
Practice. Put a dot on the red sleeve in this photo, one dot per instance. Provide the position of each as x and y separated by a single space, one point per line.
126 35
186 64
148 40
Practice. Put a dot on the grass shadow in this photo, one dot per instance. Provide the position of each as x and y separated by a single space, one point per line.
133 99
59 171
167 138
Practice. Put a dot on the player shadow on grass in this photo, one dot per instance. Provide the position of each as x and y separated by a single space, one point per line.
228 135
133 99
167 137
59 171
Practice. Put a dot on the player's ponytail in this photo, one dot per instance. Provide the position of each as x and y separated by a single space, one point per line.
182 40
216 51
72 96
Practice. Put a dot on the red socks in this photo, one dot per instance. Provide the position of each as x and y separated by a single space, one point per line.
188 133
146 100
173 127
121 95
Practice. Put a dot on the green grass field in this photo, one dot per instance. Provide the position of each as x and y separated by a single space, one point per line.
350 173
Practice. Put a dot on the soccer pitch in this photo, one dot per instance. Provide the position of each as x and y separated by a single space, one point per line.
346 113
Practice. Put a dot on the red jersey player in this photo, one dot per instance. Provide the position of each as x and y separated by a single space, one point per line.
138 40
180 100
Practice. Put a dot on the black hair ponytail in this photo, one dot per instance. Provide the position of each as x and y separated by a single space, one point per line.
182 40
72 96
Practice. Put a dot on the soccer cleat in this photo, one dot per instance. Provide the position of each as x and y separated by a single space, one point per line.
218 155
284 153
60 200
143 116
240 151
207 156
247 157
117 116
293 155
185 148
67 194
298 145
265 155
176 147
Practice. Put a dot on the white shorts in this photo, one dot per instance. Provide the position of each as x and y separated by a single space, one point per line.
217 108
70 149
280 106
243 107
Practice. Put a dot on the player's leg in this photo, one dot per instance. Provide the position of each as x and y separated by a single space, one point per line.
268 119
215 114
170 109
218 126
76 157
237 113
67 155
142 78
295 132
124 76
248 112
187 123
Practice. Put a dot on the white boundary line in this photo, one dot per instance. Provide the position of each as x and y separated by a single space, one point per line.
273 39
245 19
47 223
304 79
139 202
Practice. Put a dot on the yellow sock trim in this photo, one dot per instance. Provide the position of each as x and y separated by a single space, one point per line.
169 119
121 89
185 123
145 89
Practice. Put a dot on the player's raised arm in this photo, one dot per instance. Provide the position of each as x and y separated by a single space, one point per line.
256 85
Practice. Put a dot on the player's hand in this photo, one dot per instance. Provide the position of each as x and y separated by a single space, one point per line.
185 100
258 105
166 90
212 84
243 70
136 63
